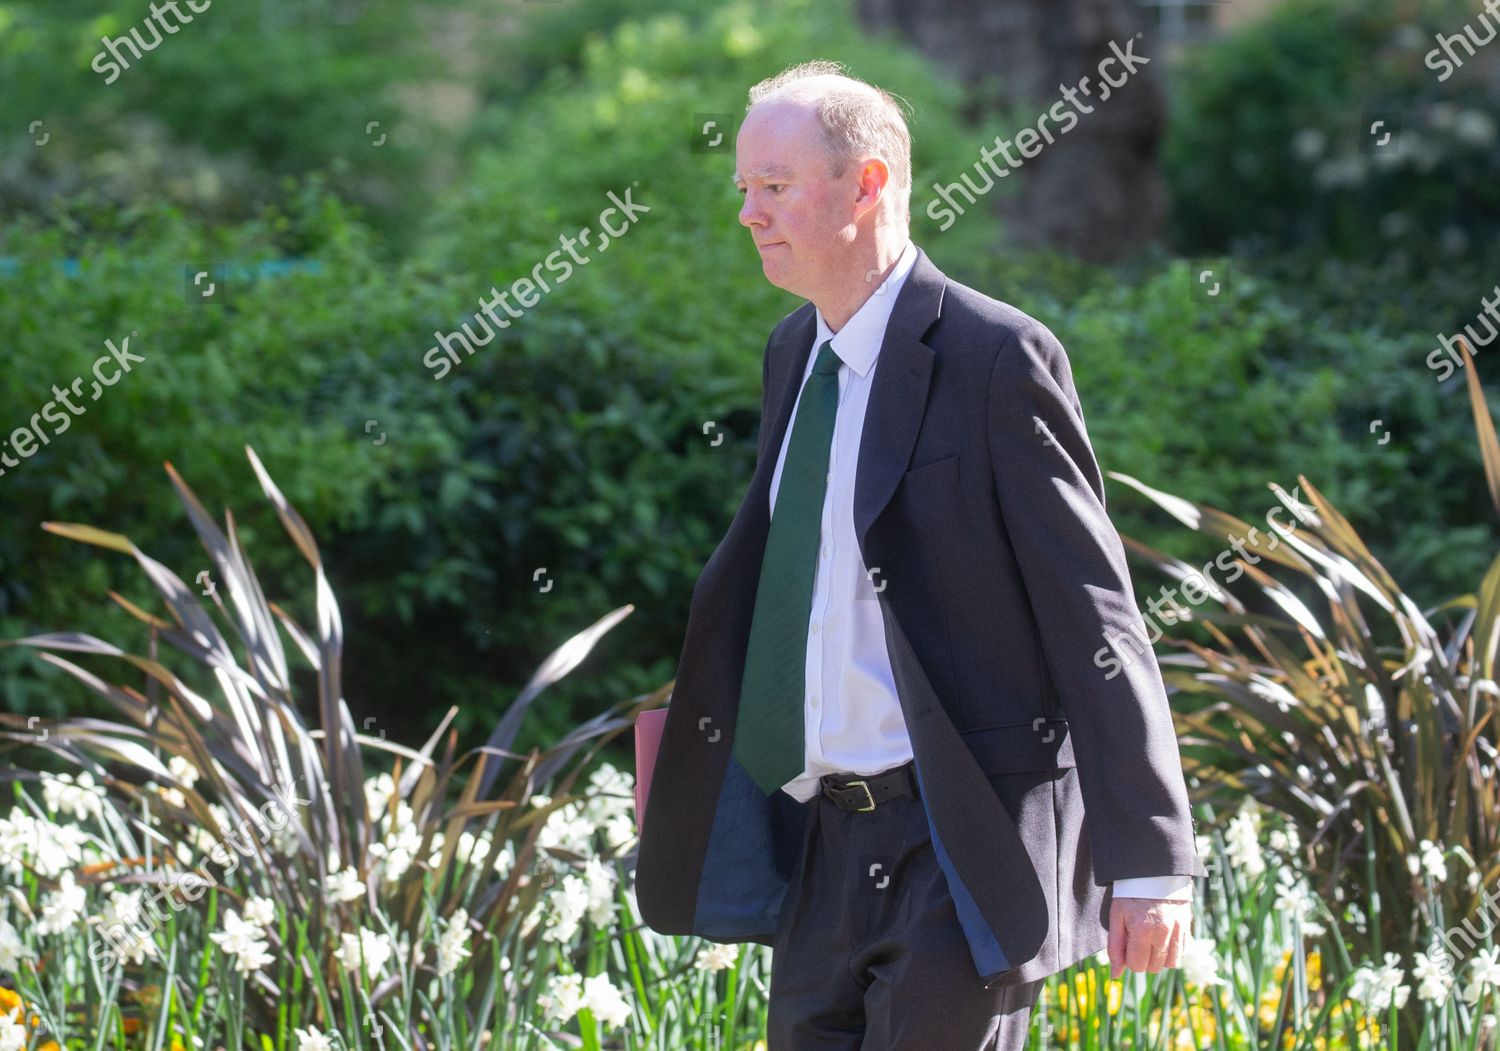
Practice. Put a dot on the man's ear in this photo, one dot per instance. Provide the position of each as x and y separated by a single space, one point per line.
874 178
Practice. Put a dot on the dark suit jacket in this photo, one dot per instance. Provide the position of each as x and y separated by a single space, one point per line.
979 510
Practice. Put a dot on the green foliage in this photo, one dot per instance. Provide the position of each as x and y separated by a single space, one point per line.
1284 373
277 362
1270 143
627 119
617 485
576 442
1329 695
226 755
1249 978
213 115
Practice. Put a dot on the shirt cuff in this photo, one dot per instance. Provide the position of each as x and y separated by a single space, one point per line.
1175 887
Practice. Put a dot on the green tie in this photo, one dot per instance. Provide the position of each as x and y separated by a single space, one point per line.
769 734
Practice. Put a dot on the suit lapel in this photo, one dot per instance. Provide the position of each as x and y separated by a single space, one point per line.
898 394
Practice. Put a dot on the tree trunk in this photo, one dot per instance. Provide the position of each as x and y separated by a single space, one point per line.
1097 191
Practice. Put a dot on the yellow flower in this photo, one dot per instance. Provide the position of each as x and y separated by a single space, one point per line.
1086 991
1314 967
1198 1017
1270 1003
1113 991
1083 988
9 1001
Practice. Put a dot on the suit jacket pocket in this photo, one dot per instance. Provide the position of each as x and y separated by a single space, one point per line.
932 480
1016 748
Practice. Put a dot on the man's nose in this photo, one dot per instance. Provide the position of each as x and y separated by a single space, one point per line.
750 214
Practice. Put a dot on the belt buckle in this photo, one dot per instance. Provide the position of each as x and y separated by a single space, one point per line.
870 795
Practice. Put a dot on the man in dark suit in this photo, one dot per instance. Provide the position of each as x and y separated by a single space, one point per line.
889 752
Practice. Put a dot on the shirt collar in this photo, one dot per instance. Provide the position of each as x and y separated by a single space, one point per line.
858 342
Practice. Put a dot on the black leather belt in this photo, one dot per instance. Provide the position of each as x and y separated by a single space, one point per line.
867 791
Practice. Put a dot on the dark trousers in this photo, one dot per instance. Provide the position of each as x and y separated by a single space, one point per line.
869 955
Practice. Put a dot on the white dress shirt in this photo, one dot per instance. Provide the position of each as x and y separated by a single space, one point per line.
852 714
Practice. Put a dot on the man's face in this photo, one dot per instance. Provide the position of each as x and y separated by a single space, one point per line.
801 219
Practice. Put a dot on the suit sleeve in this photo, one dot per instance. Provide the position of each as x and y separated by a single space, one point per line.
1072 562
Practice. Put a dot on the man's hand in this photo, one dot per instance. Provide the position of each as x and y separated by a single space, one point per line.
1147 934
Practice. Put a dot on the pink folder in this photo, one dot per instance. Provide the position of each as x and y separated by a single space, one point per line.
648 727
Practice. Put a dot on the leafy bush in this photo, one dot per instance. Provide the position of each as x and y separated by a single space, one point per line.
1284 373
218 112
575 444
1371 726
356 903
578 443
1270 143
281 361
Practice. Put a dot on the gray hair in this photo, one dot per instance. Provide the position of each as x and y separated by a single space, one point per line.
856 119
